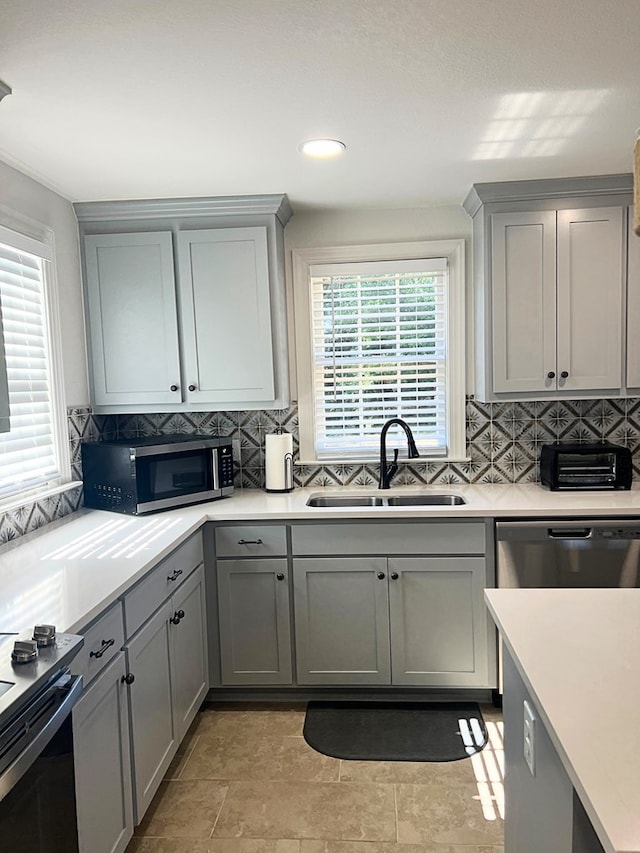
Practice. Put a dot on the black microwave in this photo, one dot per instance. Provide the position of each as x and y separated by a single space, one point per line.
139 475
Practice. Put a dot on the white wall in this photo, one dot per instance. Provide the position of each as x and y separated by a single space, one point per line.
342 228
27 197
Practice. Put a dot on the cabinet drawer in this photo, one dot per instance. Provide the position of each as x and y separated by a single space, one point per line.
102 642
160 583
421 538
251 541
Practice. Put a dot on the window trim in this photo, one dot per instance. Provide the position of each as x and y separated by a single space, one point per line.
304 259
39 239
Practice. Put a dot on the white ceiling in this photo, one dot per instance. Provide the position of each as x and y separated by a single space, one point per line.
139 98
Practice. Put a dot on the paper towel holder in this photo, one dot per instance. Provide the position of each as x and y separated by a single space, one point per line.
287 470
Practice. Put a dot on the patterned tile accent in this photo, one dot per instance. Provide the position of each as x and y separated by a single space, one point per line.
503 445
503 441
83 426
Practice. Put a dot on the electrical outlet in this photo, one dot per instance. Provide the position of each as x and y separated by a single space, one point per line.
235 447
529 739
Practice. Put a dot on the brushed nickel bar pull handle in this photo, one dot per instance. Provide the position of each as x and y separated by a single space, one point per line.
250 542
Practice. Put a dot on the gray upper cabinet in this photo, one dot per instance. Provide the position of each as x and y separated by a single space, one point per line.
633 308
590 247
549 282
132 318
523 329
185 303
224 278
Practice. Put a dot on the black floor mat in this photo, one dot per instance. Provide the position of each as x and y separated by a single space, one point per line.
395 731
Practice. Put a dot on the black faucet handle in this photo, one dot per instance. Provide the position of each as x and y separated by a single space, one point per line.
392 468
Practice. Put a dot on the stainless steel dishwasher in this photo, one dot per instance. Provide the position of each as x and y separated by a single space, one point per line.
592 552
568 553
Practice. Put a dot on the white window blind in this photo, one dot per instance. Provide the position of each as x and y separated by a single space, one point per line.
379 350
28 451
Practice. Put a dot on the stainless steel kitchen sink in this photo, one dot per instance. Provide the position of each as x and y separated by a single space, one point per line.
392 500
337 500
426 500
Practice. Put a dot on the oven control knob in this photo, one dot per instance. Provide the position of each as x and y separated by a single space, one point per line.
24 651
44 635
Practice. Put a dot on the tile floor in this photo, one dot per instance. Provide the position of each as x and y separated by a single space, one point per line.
245 781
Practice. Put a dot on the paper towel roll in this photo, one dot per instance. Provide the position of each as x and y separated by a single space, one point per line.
278 462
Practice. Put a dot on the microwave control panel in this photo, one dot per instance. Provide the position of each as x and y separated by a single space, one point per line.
225 465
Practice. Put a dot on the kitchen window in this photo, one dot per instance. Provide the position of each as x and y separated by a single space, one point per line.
34 458
380 334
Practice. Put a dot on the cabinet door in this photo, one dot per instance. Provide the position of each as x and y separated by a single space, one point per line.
189 658
103 763
151 707
438 621
226 314
341 607
133 327
523 301
633 307
590 255
253 617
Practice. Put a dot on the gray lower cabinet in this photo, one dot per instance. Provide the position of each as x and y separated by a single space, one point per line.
364 617
167 658
403 621
153 731
341 609
254 621
189 655
438 622
103 763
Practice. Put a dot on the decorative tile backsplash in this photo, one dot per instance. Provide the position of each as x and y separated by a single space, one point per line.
503 440
83 426
503 444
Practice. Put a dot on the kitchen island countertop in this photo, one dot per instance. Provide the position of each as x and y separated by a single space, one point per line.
578 654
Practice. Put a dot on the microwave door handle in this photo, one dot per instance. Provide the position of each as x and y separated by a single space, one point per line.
215 468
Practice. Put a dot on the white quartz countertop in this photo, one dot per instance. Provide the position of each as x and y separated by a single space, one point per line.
578 652
70 571
518 500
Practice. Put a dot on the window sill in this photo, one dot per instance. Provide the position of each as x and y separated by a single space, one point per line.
35 495
375 460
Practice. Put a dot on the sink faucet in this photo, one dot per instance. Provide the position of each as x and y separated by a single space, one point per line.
387 471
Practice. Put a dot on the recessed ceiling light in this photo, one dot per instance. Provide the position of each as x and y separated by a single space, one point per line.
322 147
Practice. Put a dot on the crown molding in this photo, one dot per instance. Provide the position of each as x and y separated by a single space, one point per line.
163 208
547 188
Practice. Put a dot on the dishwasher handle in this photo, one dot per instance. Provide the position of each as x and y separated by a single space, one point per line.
570 532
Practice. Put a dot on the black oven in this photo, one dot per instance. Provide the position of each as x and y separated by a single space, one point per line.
37 782
139 475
